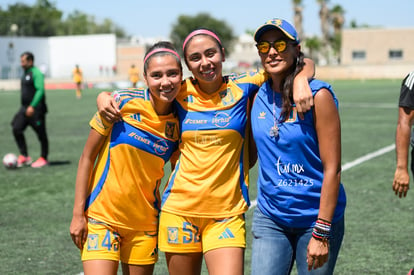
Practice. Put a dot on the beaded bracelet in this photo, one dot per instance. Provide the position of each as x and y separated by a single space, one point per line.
321 230
325 221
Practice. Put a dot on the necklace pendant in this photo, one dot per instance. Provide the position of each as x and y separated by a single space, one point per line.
274 131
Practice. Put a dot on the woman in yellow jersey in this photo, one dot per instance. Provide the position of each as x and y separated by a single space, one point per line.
116 207
77 78
207 193
133 75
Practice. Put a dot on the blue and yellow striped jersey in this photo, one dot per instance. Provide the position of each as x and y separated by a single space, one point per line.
211 175
127 174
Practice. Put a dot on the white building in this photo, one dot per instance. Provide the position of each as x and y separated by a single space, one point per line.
58 55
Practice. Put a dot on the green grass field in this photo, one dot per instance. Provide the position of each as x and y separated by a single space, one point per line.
36 205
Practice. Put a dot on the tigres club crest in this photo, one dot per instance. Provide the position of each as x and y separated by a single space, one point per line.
172 235
169 129
227 97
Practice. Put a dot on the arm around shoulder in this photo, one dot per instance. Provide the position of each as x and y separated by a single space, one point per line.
107 107
302 93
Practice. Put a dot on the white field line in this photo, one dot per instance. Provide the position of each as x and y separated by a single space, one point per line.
368 105
356 162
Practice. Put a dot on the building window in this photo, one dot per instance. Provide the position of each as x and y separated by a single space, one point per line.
358 55
395 54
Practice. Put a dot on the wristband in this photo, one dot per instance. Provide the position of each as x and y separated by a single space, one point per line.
116 96
321 230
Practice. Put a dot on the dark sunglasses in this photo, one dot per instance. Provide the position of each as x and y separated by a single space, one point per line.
279 45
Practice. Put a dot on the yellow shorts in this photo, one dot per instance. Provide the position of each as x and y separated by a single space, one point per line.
179 234
131 247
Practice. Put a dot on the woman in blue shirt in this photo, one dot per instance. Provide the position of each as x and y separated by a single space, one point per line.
300 201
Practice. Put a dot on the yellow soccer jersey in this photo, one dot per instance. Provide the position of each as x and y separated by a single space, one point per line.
125 181
211 176
133 75
77 75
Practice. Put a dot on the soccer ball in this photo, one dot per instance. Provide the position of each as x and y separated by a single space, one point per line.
10 161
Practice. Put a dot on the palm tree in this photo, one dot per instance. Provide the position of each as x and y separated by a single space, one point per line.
324 17
338 20
298 18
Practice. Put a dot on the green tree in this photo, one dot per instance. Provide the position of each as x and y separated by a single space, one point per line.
314 45
43 19
108 26
78 23
5 23
186 24
353 24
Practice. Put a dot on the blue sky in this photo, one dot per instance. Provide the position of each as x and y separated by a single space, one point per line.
155 18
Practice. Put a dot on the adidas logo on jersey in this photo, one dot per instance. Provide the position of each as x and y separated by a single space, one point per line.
227 234
262 115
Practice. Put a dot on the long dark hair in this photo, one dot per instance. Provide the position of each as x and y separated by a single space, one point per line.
286 86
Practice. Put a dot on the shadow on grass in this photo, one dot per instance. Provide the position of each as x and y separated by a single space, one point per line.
59 162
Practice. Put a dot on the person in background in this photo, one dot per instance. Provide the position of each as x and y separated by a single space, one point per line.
133 73
300 199
78 78
204 202
401 182
31 113
116 207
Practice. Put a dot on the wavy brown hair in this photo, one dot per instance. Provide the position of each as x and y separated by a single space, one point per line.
286 86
